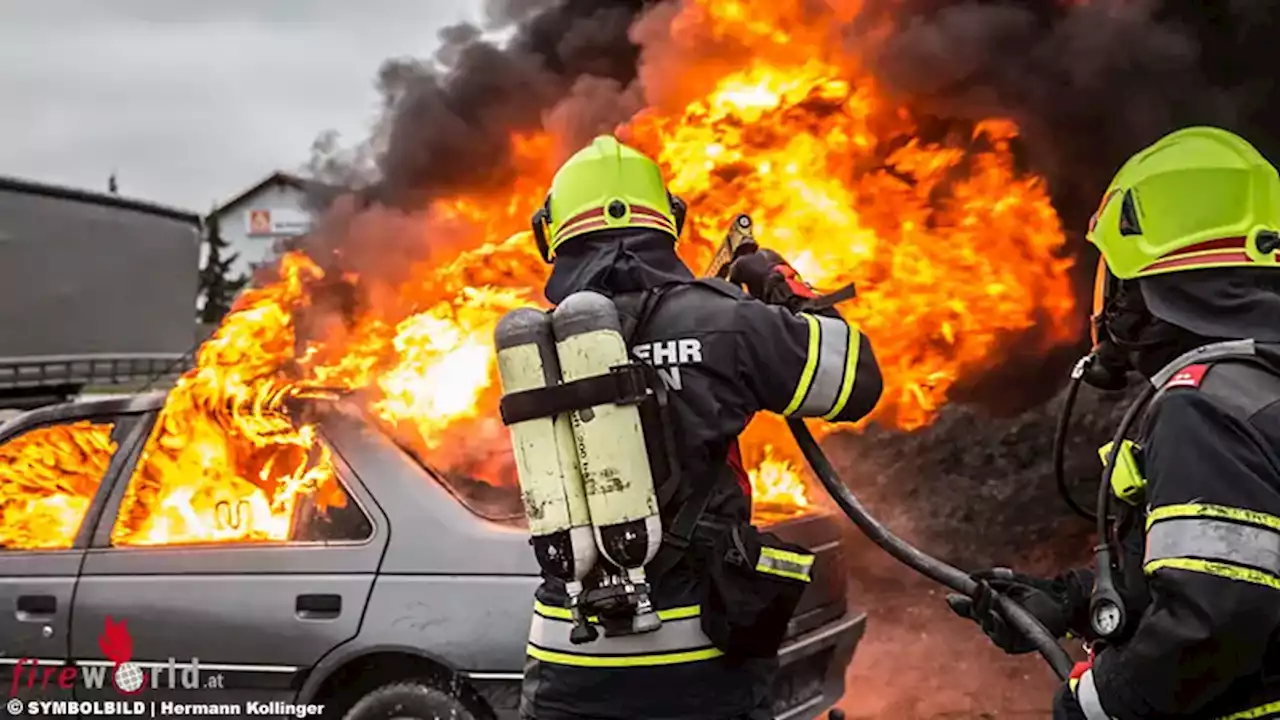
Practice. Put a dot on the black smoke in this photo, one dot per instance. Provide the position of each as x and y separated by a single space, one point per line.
1089 82
448 119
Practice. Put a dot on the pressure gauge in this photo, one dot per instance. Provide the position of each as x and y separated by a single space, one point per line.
1106 618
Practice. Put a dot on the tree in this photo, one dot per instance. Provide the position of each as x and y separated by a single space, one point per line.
218 287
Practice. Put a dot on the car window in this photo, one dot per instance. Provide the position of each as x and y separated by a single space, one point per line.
202 487
48 477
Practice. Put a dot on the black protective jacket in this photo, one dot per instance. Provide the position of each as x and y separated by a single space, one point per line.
725 357
1201 558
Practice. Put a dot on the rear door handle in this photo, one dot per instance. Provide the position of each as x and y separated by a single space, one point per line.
36 608
318 606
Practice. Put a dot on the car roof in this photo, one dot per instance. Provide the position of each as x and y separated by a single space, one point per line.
108 405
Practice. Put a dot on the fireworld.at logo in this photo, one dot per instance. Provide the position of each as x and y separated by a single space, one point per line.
126 676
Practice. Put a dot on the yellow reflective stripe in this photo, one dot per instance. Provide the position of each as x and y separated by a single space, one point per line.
1217 569
810 365
613 661
559 613
1261 711
676 641
829 370
850 371
1252 517
785 563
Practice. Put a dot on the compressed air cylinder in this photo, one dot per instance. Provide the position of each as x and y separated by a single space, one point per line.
551 486
610 442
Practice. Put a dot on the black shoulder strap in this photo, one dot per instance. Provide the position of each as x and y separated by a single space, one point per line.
633 327
723 287
1232 373
1242 387
680 528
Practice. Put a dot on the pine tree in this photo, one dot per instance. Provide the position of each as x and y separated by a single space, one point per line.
218 287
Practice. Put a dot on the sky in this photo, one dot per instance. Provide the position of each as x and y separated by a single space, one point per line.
192 101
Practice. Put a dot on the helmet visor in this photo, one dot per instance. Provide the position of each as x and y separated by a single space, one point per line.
1104 289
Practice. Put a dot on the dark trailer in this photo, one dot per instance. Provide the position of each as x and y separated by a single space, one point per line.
95 290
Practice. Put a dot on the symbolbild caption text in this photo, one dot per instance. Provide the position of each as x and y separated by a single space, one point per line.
156 708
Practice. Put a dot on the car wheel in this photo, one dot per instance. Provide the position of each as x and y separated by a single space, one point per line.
413 700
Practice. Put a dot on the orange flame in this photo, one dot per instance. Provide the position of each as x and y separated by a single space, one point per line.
955 253
48 477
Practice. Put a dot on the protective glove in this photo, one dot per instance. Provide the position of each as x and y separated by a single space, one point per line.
1052 602
771 279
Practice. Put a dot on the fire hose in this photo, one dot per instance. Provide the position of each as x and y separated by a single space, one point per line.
927 565
740 239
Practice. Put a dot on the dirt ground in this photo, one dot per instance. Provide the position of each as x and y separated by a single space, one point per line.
919 661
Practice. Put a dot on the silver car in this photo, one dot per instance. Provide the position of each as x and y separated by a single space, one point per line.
413 599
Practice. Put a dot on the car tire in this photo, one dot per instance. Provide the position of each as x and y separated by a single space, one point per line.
416 700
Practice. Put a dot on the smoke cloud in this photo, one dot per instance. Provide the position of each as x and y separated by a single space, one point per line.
448 120
1089 82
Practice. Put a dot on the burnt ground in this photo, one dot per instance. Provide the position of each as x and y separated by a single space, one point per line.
977 491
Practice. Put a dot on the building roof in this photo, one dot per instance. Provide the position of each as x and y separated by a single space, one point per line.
306 185
13 184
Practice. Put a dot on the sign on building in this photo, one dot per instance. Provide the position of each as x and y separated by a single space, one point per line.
277 221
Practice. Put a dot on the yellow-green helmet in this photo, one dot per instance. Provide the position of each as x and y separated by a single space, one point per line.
1201 197
604 186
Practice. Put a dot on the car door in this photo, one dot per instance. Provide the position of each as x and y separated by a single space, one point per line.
54 469
231 620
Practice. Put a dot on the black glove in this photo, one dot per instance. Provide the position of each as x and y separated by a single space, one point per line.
1052 602
770 278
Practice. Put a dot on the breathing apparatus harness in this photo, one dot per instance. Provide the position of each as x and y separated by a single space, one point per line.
1121 325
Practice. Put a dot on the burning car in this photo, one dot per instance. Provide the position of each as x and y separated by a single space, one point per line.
378 576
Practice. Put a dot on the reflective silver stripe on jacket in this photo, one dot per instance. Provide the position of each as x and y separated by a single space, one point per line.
1217 540
675 636
830 355
1087 697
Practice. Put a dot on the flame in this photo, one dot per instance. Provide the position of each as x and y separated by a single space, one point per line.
778 488
48 477
956 253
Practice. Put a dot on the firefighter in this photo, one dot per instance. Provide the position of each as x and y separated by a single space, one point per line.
1188 296
609 226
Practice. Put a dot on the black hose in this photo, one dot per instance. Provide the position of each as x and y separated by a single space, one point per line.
1104 586
929 566
1060 446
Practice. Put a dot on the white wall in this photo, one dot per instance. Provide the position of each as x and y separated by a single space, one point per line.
279 213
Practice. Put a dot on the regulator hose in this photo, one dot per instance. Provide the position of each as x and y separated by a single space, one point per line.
926 565
1060 440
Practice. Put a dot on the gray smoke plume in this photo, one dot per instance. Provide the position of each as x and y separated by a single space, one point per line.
448 120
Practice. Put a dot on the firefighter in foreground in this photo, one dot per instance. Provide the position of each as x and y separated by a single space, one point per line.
659 599
1188 295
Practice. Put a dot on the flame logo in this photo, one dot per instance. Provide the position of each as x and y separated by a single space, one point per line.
117 644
